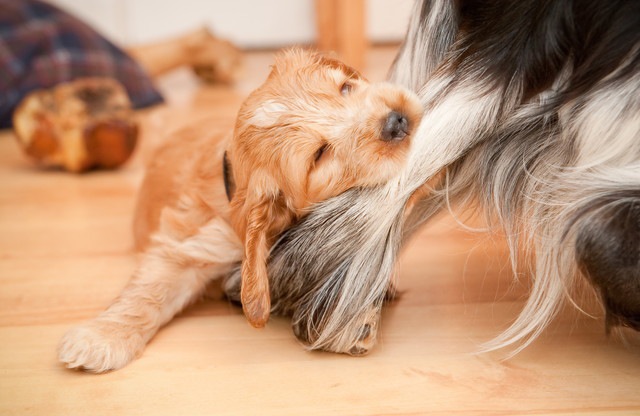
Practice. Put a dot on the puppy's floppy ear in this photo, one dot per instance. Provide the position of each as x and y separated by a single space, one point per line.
265 216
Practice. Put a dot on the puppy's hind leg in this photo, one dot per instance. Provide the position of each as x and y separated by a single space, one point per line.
172 273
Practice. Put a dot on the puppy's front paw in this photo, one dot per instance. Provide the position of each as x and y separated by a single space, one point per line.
100 346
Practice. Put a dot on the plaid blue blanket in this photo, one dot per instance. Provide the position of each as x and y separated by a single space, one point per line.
41 46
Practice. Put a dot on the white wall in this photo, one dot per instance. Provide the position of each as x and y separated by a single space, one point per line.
249 23
387 20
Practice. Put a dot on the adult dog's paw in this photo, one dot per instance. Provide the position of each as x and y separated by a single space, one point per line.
356 339
100 346
366 339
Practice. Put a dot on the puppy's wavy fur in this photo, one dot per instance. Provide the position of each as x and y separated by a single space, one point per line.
314 129
532 109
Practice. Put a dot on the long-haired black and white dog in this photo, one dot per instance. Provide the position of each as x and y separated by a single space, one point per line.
532 109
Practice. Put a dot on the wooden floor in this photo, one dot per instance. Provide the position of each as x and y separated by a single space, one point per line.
66 251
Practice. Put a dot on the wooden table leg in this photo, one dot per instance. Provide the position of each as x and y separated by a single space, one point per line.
341 28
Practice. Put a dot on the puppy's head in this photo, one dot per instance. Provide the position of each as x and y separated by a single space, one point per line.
314 129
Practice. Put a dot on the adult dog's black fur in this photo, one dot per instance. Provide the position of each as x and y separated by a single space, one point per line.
532 108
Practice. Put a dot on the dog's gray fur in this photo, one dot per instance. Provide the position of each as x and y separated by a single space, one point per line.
538 120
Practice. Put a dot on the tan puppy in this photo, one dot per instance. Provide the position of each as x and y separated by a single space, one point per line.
314 129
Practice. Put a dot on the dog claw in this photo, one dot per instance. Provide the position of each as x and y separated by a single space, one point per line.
357 351
366 340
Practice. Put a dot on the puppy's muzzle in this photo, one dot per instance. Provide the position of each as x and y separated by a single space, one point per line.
395 127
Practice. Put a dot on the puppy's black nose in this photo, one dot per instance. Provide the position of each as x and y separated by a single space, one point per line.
396 127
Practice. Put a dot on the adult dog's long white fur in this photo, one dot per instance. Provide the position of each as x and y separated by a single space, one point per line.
532 110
